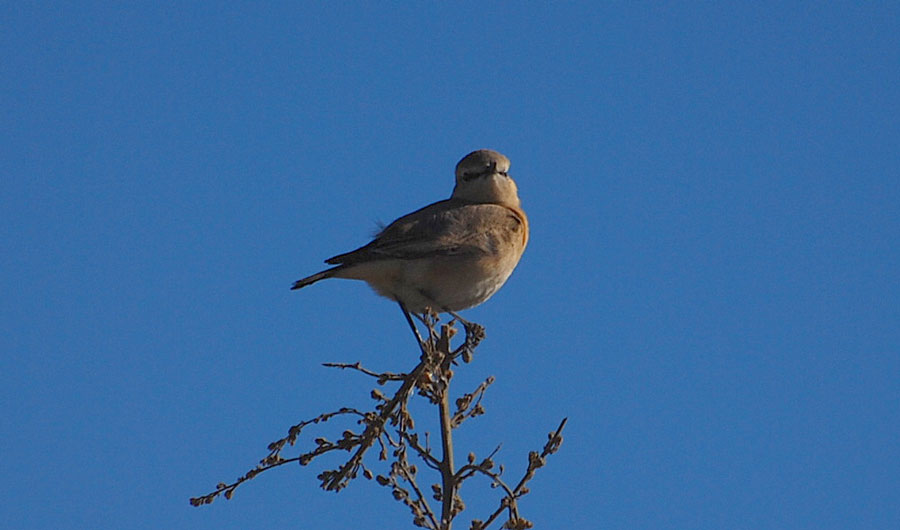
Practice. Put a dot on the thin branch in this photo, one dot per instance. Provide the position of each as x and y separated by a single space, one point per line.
471 468
382 377
411 479
535 461
430 378
465 408
337 480
424 453
274 458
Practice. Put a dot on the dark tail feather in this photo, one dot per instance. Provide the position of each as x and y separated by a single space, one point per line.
327 273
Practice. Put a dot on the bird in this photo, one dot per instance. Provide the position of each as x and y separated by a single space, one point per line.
451 255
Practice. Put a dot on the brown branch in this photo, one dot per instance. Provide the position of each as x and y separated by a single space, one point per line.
535 461
423 515
409 476
274 458
337 480
447 474
466 408
424 453
448 490
431 378
382 377
471 468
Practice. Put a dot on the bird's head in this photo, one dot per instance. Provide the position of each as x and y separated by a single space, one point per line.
483 176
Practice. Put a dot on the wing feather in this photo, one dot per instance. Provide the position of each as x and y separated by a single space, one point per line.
450 228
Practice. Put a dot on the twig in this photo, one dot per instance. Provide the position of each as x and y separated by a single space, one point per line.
471 468
381 376
535 461
424 453
431 378
274 458
411 479
465 408
336 480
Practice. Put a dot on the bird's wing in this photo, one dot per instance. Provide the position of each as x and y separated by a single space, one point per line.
446 228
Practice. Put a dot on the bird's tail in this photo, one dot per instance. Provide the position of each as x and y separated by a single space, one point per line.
327 273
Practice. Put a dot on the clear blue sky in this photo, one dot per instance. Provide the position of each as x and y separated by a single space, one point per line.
711 291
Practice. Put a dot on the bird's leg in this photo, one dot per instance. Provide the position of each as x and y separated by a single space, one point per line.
412 326
464 322
474 332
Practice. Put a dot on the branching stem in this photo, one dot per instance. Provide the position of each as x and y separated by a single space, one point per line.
431 379
448 478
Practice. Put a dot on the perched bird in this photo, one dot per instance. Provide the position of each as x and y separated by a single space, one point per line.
450 255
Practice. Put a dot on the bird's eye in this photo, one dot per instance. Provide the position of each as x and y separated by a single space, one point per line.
504 173
488 170
469 176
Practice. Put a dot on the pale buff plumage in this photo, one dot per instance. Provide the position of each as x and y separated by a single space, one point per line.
450 255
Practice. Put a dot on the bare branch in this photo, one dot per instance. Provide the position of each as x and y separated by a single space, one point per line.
337 480
431 379
401 469
465 408
535 461
274 458
423 452
382 377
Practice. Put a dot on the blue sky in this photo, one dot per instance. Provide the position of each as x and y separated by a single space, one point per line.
710 293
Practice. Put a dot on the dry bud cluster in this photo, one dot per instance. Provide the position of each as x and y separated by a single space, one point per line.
391 427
